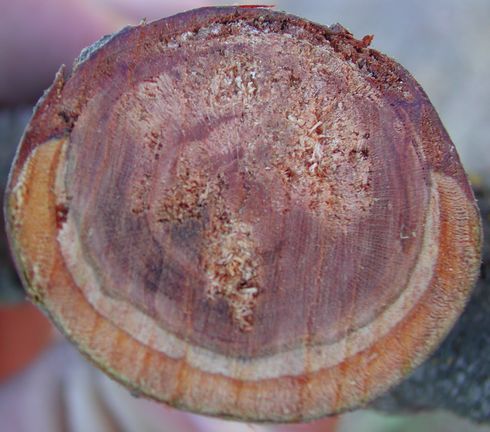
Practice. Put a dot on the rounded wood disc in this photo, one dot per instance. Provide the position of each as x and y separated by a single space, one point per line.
241 213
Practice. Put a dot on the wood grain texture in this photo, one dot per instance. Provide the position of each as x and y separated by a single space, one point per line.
242 213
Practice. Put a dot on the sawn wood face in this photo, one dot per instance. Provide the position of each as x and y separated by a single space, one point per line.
242 213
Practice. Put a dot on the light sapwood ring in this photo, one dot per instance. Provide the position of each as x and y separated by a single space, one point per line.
242 213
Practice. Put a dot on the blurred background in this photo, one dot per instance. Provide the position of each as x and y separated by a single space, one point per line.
44 384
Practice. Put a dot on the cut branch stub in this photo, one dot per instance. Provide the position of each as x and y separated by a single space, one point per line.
242 213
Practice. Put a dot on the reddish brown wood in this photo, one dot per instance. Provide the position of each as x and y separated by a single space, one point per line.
242 213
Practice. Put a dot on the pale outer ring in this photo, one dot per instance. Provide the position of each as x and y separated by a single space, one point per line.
304 397
291 363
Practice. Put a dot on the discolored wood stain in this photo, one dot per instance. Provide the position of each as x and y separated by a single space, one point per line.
245 214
